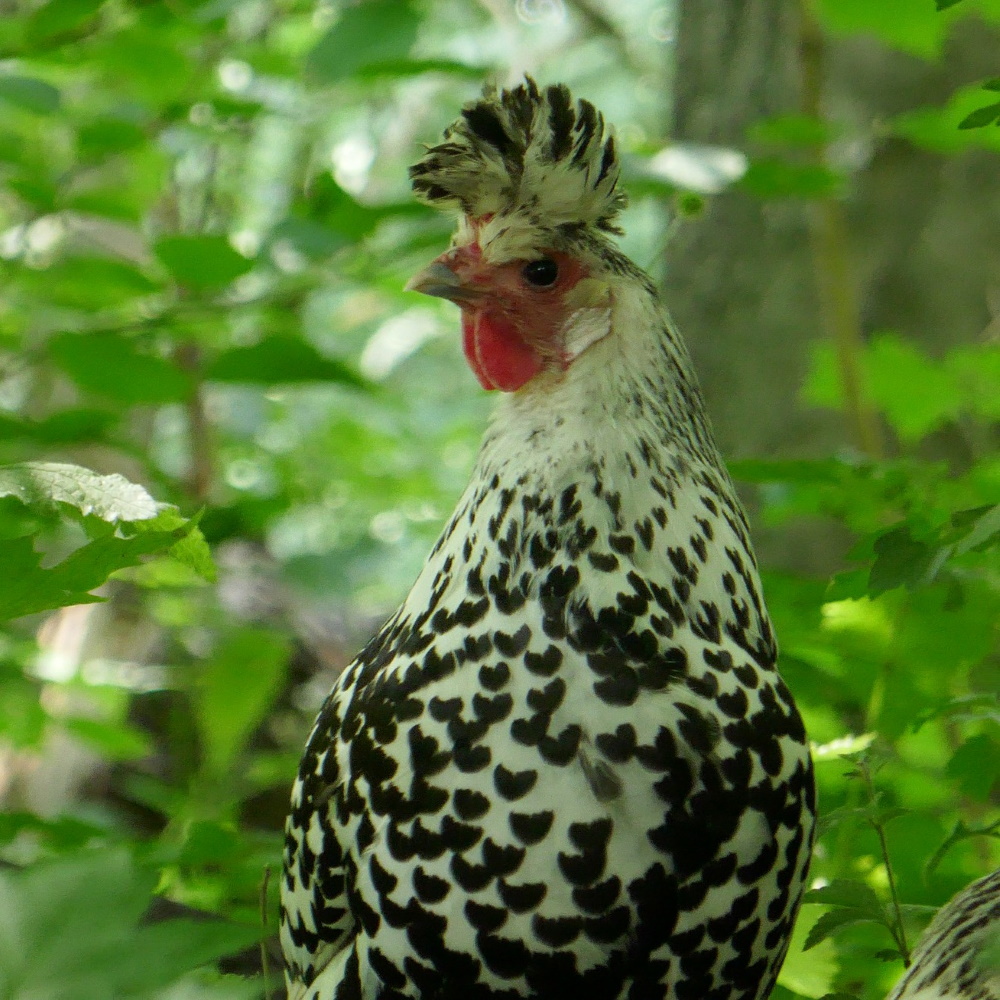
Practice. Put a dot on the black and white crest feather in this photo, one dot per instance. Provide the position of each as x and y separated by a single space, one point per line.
526 151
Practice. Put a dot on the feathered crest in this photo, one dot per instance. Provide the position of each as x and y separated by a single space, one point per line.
526 151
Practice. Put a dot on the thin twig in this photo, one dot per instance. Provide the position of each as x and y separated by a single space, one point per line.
898 931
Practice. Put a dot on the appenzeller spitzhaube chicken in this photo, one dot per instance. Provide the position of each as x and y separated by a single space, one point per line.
566 766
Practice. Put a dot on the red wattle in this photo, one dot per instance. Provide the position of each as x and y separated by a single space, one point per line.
496 353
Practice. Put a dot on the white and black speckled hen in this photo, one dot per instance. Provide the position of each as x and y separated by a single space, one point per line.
566 766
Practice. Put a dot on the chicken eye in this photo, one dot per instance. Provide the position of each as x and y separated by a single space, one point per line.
541 273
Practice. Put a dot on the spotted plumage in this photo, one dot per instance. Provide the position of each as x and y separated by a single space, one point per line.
566 765
958 955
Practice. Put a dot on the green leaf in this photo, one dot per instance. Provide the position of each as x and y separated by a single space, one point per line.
63 427
210 843
791 130
848 893
945 4
364 36
978 528
988 115
27 587
236 687
342 216
280 359
975 766
916 394
107 136
22 718
59 18
110 497
900 560
780 179
975 369
66 833
939 128
89 282
418 67
111 365
832 921
202 263
191 549
758 470
900 24
71 928
29 94
881 817
116 741
808 974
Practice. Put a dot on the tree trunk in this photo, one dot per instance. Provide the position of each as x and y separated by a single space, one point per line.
918 229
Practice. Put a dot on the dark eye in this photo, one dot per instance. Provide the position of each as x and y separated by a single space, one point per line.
541 273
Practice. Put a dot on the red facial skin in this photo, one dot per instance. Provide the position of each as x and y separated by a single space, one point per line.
511 329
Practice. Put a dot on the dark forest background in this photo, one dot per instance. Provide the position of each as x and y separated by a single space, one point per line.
228 438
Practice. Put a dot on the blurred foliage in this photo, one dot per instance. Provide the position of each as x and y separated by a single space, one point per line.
204 231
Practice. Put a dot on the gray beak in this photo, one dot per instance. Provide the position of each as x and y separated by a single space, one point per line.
439 279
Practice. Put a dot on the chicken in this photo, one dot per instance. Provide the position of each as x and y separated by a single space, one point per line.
566 765
958 955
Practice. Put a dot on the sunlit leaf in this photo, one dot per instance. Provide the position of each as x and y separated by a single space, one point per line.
808 973
190 547
109 497
916 394
28 587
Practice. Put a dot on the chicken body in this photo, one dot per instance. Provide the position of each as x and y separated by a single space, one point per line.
958 956
567 762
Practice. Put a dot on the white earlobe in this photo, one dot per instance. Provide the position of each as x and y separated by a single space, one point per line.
585 327
590 320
